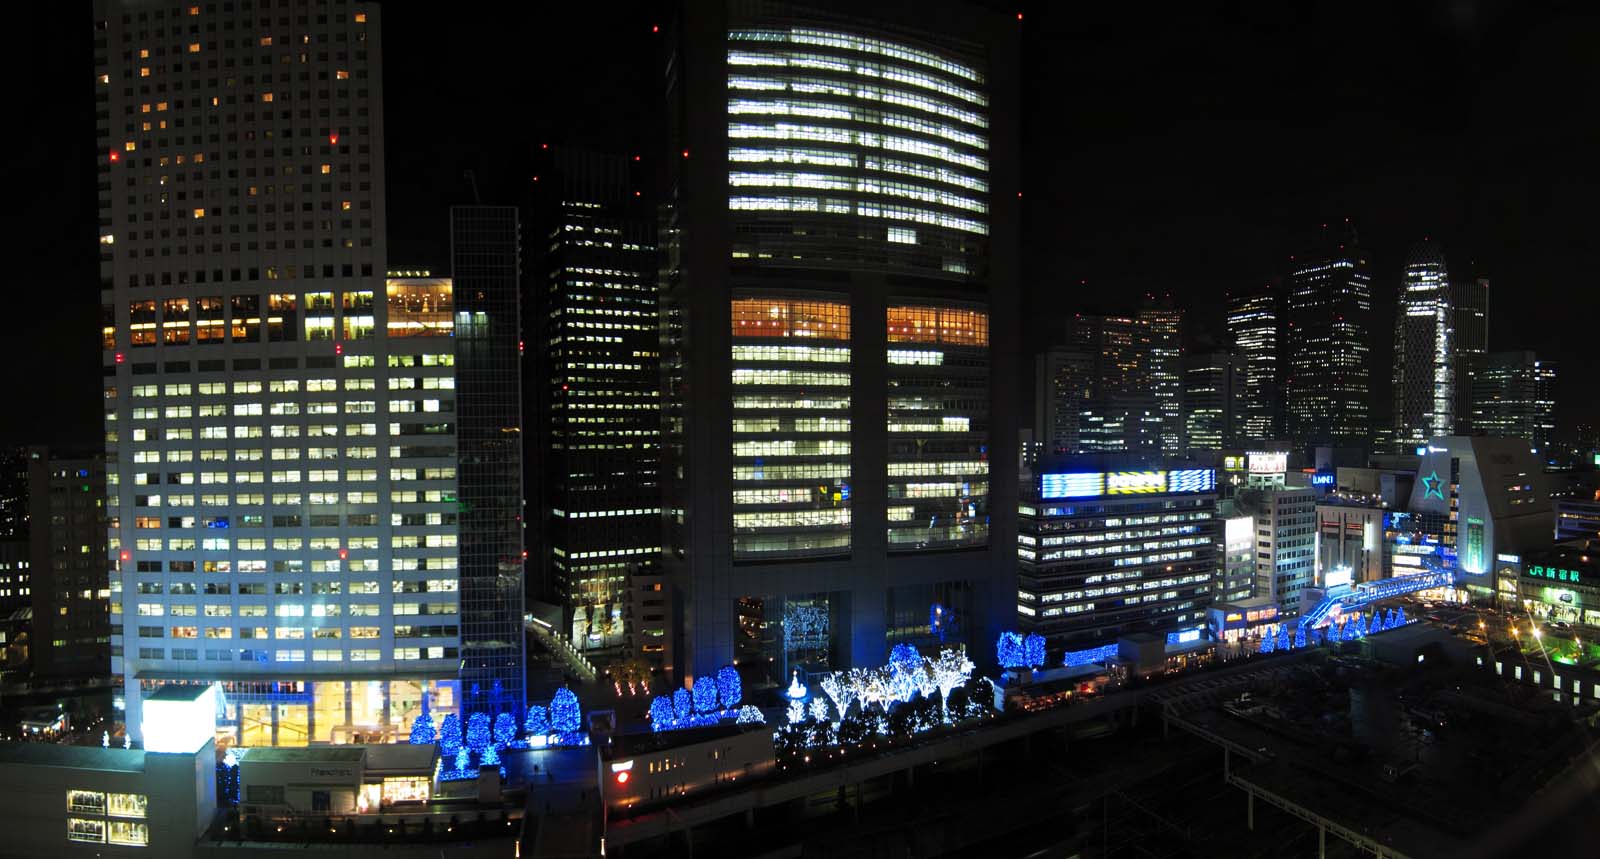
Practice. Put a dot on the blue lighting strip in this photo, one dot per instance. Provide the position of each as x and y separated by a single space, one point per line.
1090 656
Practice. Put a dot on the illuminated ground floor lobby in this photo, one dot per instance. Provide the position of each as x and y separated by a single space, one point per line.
258 713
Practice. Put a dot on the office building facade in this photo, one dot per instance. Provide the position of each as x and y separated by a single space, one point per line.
1253 320
1424 351
1164 369
600 422
1327 333
1469 306
71 591
1513 394
839 253
284 482
1122 413
1213 393
1103 554
1286 535
1063 383
1350 537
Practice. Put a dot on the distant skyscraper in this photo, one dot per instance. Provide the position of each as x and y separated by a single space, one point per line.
14 478
1163 325
1253 322
1122 413
839 253
1469 302
1214 388
1424 351
1513 394
1063 381
1327 334
599 343
71 591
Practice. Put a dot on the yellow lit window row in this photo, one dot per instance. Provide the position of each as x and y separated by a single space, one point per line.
954 326
782 317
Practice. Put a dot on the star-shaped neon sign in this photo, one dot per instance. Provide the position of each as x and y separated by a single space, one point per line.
1432 485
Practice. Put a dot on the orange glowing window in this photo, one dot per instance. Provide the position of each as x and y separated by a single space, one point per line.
786 317
949 325
361 17
194 47
266 96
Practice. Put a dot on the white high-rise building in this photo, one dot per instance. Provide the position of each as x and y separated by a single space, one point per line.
1424 351
281 421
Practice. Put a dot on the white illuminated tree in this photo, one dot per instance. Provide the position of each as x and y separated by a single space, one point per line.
837 687
796 712
950 669
819 709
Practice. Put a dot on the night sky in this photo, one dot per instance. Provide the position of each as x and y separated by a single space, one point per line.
1187 150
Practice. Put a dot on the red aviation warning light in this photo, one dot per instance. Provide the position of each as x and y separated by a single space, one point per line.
333 138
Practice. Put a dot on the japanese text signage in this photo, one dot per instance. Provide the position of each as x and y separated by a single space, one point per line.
1553 574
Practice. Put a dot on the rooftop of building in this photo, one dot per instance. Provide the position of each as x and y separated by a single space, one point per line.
72 757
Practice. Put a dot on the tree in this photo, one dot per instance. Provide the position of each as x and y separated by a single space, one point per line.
730 690
463 761
950 668
537 723
750 714
478 736
422 732
450 735
904 663
491 757
704 692
837 687
796 712
1033 650
682 705
661 716
565 716
1010 651
505 730
819 709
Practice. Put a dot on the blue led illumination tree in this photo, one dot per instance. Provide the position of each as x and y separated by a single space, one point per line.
1010 651
491 757
1033 650
1300 638
730 690
505 730
422 732
1266 644
463 762
1400 616
565 716
478 735
1283 637
537 722
661 716
682 705
704 694
450 735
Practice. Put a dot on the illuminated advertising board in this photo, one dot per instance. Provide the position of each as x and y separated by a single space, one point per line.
1080 485
1135 482
1192 480
1268 462
1237 463
1239 533
1322 478
1554 574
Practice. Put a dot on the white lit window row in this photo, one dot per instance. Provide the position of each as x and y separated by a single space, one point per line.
825 182
793 518
916 357
807 403
858 138
868 210
830 158
895 74
747 376
818 471
819 447
814 86
814 354
948 423
858 44
824 110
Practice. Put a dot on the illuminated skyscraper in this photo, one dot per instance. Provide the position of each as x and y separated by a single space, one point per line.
1252 321
1163 368
839 252
1064 380
1327 333
600 382
1121 414
1424 351
306 463
1469 301
1214 387
1513 394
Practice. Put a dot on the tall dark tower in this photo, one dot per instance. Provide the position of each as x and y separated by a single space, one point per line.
1328 330
1254 324
840 252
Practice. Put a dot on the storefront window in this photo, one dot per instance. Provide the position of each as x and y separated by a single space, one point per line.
86 802
87 831
128 804
126 832
328 701
255 725
293 724
404 789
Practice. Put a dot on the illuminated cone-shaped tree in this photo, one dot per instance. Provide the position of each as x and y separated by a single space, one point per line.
463 760
730 690
1400 616
505 730
704 694
450 735
1033 650
1300 637
1266 644
422 732
1010 651
1376 625
537 722
1283 637
491 757
565 716
478 735
661 716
